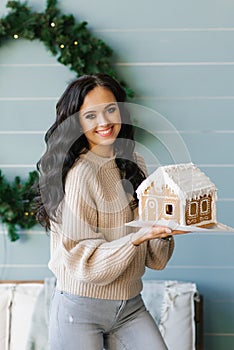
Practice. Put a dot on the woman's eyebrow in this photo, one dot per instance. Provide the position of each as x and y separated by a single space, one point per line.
110 104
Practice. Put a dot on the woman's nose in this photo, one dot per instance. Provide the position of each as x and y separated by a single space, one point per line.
102 119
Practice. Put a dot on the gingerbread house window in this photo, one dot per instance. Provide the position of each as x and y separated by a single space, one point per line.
204 206
169 209
193 209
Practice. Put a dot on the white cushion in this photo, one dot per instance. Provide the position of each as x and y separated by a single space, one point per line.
175 314
5 300
22 308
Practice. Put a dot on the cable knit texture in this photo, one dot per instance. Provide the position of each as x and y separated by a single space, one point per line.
92 253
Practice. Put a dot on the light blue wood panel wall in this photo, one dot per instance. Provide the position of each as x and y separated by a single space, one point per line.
179 59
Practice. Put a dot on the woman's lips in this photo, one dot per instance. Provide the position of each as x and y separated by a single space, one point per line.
105 132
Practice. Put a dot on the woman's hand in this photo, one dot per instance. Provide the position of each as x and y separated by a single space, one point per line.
148 233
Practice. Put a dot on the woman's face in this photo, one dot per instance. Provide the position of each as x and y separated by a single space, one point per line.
100 120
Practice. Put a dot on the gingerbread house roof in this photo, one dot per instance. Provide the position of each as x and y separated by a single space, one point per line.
186 180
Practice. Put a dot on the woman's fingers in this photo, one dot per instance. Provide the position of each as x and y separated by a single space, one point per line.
161 231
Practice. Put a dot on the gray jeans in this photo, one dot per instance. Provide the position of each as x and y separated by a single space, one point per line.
80 323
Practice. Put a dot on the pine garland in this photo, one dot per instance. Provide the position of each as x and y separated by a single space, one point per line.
17 203
63 36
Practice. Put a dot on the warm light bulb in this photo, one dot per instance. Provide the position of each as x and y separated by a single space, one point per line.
16 36
76 43
62 46
52 24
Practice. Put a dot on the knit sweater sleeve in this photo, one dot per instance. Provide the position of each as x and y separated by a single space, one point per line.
86 254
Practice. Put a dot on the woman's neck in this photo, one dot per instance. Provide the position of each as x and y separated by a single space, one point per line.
103 151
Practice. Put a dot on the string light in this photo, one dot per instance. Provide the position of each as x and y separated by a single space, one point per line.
52 24
16 36
62 46
76 42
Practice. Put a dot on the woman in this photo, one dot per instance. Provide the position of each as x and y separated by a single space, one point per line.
88 177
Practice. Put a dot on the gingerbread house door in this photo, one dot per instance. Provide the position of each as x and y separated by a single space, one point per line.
205 208
151 209
192 212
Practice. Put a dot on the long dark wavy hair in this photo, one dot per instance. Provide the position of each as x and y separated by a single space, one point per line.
65 142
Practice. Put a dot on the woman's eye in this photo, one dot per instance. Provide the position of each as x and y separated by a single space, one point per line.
111 109
90 116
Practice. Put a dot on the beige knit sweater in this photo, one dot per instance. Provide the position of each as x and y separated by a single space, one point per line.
91 249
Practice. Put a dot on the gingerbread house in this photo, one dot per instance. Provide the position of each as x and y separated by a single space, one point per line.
178 192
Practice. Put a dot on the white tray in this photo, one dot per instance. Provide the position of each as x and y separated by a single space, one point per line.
219 227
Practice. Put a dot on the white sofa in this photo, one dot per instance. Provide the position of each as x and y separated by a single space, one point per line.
171 303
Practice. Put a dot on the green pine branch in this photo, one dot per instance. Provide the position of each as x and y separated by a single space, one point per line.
17 205
70 41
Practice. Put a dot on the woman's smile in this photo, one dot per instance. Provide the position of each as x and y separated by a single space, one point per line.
105 132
